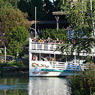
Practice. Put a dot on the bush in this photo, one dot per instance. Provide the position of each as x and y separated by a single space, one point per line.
18 63
84 84
54 34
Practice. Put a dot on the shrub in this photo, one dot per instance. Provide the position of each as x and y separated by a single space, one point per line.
84 84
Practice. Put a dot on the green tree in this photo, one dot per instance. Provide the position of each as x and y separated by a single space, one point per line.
11 17
18 39
12 2
79 17
3 40
23 5
1 3
52 33
57 5
48 8
44 9
29 7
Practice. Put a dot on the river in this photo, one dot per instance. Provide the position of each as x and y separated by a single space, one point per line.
33 86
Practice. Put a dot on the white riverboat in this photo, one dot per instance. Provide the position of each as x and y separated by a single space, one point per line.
43 61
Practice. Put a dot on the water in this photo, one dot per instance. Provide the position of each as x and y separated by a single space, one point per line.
33 86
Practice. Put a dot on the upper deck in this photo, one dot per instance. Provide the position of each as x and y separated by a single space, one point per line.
46 46
52 48
49 48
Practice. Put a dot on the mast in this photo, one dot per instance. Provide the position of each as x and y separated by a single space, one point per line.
35 20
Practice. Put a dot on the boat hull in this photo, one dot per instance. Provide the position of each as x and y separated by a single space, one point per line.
46 69
54 74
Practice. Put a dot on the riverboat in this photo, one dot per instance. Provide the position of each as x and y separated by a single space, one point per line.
44 61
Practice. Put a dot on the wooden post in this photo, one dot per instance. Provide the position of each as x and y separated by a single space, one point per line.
57 20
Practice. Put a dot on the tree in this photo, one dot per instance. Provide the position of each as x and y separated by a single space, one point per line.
3 40
57 5
29 7
11 18
52 33
18 39
1 3
79 17
14 3
44 9
23 5
13 21
48 8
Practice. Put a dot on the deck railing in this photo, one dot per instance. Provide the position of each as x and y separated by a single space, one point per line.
59 65
42 46
70 66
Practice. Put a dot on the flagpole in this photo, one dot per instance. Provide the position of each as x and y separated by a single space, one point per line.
35 19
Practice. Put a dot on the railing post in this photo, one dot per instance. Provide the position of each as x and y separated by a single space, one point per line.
52 64
54 46
42 46
36 46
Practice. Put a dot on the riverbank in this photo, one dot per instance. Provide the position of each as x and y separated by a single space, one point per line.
11 69
15 66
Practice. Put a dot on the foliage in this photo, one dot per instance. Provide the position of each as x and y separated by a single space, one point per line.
12 2
93 13
79 17
2 35
47 10
1 3
11 18
44 9
52 33
18 39
2 52
29 7
57 5
18 64
84 84
11 64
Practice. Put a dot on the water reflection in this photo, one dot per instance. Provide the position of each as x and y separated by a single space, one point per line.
14 86
48 86
33 86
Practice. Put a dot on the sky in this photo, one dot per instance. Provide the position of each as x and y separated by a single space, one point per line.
51 0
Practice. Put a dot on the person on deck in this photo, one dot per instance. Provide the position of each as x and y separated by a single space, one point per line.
69 31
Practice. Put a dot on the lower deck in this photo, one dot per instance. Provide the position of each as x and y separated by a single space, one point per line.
46 68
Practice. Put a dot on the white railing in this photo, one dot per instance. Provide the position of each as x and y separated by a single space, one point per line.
42 46
68 66
59 65
75 67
